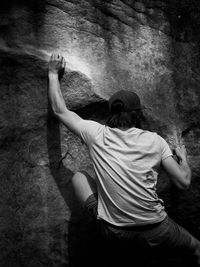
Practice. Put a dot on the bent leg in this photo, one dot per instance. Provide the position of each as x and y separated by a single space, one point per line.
84 186
170 238
185 242
188 243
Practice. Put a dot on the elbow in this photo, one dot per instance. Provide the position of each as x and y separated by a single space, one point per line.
55 108
185 180
58 115
182 186
185 185
188 183
58 108
57 111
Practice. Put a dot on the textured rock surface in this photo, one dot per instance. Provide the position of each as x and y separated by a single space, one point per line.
151 47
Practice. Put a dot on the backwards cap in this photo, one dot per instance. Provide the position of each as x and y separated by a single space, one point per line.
127 100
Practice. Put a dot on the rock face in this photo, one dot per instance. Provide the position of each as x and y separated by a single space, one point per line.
150 47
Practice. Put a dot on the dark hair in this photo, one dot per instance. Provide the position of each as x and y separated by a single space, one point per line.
124 119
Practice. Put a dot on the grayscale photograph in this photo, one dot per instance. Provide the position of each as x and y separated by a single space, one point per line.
99 133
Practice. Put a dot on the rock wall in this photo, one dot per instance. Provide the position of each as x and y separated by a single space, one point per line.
150 47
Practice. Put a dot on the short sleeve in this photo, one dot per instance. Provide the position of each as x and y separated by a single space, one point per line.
165 149
89 131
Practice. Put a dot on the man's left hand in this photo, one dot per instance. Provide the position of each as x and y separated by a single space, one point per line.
56 64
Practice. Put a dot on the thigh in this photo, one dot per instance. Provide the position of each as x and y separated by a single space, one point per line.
169 235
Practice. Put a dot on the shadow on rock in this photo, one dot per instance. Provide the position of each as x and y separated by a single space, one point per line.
83 238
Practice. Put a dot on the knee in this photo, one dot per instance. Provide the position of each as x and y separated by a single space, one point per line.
83 180
83 186
77 178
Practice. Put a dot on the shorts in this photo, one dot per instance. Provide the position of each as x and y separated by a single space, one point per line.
163 235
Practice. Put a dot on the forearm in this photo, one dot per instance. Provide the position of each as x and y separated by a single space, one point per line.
55 94
183 164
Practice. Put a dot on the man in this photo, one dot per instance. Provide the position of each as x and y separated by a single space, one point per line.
126 160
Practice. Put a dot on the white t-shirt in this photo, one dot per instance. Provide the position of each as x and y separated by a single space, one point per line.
126 164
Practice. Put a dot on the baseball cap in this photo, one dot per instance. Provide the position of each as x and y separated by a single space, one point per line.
125 100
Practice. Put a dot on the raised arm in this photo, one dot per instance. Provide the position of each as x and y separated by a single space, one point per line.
179 172
69 118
